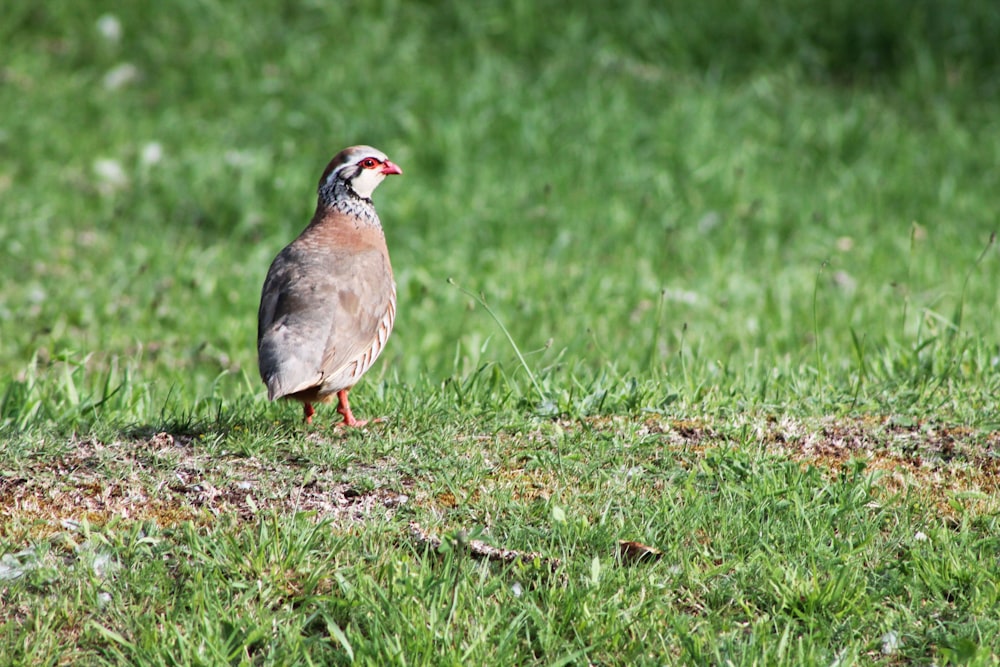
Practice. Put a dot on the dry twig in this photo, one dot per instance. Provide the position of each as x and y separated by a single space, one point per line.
481 550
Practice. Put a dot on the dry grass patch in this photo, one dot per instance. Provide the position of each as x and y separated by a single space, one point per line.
169 479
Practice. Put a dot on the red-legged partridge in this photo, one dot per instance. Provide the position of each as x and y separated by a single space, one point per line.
329 299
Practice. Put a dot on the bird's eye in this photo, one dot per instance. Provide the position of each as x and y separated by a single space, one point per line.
369 163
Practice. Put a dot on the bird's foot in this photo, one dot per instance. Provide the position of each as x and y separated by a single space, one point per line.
344 408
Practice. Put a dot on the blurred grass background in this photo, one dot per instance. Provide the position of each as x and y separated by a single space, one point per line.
785 206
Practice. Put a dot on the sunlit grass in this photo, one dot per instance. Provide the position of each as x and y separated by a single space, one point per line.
718 279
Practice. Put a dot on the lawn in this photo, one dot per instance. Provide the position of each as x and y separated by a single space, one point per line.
697 355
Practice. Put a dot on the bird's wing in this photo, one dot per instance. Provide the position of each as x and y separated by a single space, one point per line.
366 310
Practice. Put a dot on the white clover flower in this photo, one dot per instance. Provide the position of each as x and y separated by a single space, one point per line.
120 76
152 153
110 175
110 27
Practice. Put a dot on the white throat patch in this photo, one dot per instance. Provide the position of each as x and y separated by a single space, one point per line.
366 181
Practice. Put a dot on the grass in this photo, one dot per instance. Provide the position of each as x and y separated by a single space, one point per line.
704 277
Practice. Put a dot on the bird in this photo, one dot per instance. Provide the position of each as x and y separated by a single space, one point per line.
328 302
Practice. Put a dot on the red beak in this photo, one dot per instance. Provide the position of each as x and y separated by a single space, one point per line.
389 168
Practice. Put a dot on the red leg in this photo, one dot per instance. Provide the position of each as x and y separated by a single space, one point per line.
344 408
307 412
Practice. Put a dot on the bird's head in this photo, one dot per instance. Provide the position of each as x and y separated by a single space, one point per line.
359 169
